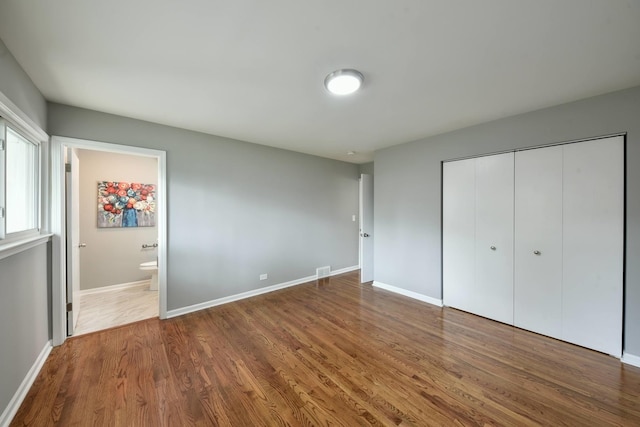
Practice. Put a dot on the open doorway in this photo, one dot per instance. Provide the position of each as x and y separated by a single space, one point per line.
112 239
113 247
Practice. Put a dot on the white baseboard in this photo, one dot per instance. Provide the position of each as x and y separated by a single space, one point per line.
15 402
630 359
110 288
410 294
249 294
344 270
237 297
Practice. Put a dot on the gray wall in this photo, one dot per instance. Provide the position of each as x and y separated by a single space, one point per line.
24 279
16 85
235 209
24 316
366 168
408 189
112 255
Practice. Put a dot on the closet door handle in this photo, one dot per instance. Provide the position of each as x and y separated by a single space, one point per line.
493 248
536 252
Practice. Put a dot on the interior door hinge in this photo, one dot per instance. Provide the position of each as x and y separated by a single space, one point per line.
1 144
69 306
1 212
67 167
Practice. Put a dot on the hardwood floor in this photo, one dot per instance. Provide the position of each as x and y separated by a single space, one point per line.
330 352
103 310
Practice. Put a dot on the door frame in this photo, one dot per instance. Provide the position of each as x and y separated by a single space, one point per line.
362 213
72 234
58 226
360 221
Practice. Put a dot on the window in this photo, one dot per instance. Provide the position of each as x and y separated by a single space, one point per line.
19 183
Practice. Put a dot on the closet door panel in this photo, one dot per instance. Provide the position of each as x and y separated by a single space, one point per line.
458 233
593 244
538 237
494 237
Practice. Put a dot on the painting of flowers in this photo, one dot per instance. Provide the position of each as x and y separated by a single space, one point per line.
126 204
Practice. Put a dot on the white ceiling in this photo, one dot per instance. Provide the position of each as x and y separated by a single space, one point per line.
254 70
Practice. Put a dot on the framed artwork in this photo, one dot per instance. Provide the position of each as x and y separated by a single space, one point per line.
126 204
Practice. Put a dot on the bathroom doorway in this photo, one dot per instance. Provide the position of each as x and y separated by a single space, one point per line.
110 288
113 219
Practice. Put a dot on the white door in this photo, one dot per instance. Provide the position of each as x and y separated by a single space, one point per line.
366 228
538 241
593 230
494 237
73 239
478 236
458 234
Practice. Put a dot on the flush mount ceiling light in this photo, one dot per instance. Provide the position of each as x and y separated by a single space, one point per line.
344 82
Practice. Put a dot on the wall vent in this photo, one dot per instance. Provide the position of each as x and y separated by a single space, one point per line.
323 272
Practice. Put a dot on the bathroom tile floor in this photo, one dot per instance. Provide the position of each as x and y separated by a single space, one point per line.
107 309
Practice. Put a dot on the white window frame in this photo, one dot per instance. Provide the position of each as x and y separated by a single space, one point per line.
7 238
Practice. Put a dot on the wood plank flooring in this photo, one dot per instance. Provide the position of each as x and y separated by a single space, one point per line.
331 352
103 310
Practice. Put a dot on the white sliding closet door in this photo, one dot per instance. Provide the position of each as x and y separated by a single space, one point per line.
458 233
494 237
478 236
538 237
593 187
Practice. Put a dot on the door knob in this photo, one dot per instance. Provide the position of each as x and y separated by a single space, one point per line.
536 252
493 248
82 245
364 235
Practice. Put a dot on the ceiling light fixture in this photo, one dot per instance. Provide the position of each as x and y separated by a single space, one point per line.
344 82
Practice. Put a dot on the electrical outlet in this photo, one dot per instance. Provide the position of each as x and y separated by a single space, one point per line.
263 276
353 218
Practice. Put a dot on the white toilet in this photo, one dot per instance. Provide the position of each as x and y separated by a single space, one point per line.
151 266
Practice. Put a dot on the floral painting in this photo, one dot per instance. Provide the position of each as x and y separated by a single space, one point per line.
126 204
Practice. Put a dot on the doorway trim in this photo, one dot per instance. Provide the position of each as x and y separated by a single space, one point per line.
366 257
58 226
